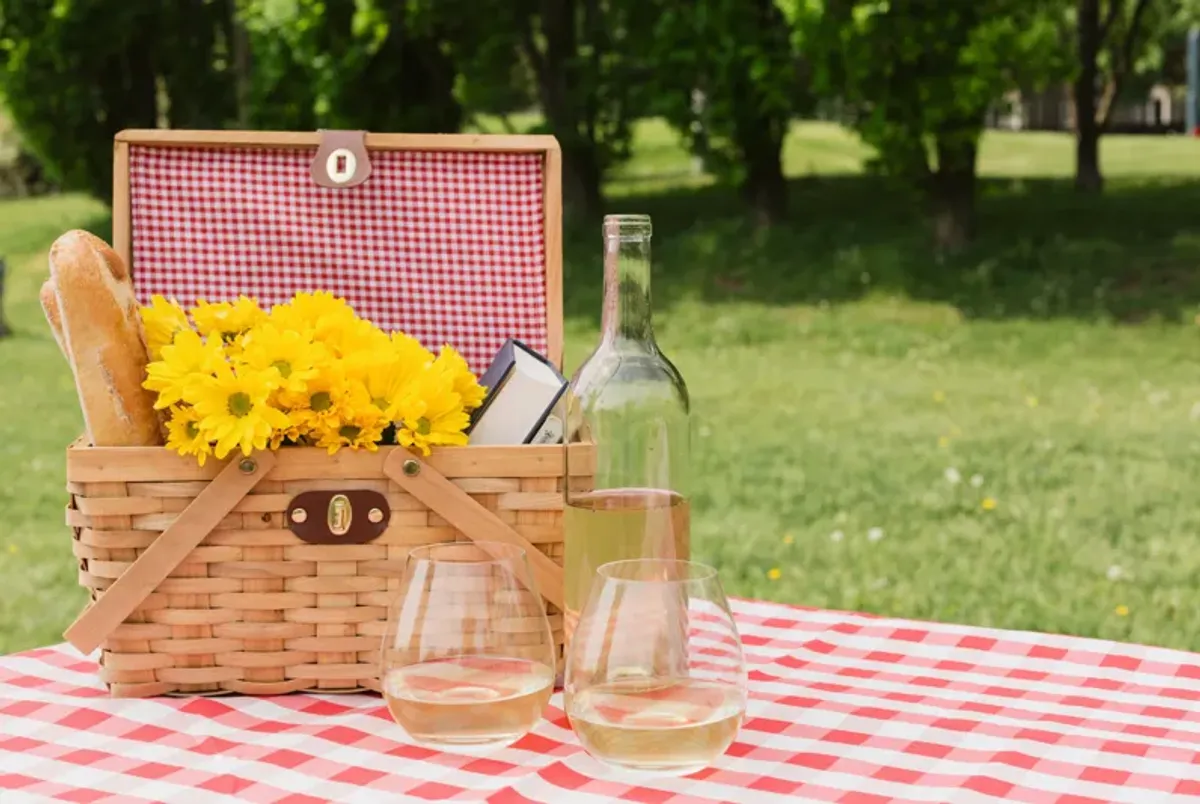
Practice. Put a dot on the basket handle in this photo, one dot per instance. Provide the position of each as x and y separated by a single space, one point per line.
474 520
167 552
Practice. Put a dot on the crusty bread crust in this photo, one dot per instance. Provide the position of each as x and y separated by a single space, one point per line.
49 300
102 332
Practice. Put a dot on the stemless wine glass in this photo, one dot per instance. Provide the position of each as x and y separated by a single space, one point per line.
467 656
655 679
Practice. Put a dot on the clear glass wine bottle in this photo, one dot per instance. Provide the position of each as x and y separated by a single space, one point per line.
631 403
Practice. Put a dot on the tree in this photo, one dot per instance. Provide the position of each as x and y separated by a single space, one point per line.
592 77
1109 36
368 64
734 57
75 72
919 78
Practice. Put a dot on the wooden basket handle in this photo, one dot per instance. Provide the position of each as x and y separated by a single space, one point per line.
475 521
167 552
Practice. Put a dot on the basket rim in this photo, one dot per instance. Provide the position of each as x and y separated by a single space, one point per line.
219 138
86 463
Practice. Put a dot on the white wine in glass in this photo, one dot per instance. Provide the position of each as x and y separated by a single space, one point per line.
655 679
673 724
468 657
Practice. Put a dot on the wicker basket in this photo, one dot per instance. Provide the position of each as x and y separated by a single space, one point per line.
206 580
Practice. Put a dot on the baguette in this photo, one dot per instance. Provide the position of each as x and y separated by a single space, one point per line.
102 332
49 299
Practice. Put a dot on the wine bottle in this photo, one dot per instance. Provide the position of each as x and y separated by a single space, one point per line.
631 403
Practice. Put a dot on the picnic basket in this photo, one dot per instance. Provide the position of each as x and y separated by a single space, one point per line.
244 575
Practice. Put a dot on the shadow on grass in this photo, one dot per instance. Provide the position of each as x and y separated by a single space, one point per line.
1043 251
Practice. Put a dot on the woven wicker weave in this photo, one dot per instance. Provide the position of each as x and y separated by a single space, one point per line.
254 609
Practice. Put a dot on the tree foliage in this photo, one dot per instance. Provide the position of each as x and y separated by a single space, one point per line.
919 77
729 81
370 64
74 72
593 76
915 78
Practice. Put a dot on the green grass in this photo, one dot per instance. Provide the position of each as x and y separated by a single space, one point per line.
839 372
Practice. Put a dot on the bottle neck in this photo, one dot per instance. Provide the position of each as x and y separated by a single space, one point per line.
627 289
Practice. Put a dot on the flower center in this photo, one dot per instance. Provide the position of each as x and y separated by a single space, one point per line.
240 404
380 403
320 401
285 368
349 432
424 427
192 430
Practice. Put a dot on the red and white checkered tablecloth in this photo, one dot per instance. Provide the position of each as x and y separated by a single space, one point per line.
844 708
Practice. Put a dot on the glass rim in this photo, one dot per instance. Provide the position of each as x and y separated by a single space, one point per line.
693 571
492 552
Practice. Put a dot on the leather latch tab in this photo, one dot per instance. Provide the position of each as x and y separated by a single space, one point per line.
342 160
338 517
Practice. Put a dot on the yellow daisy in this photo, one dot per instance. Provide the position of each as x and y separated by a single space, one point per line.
431 415
387 376
289 435
234 410
410 350
230 320
318 314
184 436
357 337
325 403
363 428
290 353
465 384
186 360
161 320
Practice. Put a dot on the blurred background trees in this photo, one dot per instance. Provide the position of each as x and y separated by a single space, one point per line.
918 81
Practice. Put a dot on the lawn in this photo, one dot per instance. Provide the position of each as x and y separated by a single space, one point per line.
1007 438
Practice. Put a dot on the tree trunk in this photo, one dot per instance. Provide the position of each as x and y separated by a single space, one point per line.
759 130
952 191
1088 178
242 77
5 329
554 68
581 181
765 190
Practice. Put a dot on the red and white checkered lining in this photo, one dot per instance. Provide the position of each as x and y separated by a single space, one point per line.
446 246
844 708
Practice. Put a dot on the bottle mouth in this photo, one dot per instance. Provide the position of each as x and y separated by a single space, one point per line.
627 227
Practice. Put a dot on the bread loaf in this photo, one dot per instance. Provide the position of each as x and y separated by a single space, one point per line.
102 331
49 301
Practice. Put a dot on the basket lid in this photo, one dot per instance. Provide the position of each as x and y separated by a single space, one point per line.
451 238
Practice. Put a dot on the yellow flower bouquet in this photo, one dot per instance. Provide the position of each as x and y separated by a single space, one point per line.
231 375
